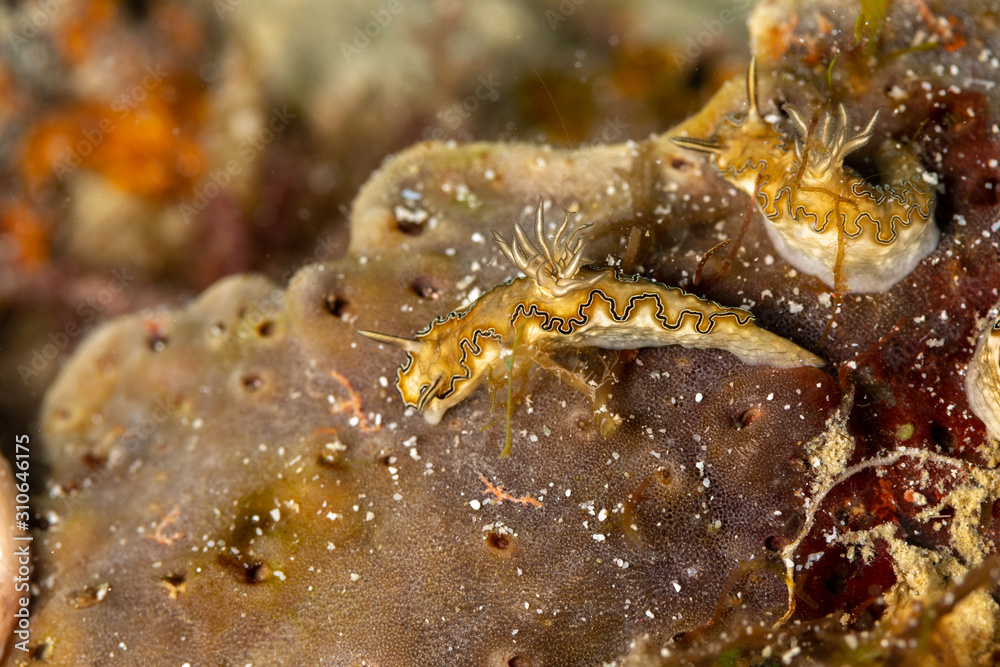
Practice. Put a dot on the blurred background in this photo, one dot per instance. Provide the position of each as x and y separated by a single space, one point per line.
150 147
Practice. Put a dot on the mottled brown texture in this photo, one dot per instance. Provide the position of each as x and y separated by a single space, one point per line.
267 440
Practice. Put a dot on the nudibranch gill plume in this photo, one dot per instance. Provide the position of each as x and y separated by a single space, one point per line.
982 379
561 305
822 217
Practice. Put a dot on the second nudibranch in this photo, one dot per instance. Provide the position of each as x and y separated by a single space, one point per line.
982 379
821 216
560 305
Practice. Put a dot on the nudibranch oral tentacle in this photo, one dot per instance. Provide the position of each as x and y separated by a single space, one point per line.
982 379
560 306
822 217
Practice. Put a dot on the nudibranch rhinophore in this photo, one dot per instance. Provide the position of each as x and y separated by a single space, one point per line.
561 305
822 217
982 379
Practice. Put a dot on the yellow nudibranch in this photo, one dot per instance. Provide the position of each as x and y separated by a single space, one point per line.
982 379
822 217
561 305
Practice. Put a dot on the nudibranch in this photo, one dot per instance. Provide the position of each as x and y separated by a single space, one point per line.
822 217
561 305
982 379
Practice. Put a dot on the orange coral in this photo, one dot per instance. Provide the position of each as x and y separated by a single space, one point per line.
144 140
28 231
944 28
76 37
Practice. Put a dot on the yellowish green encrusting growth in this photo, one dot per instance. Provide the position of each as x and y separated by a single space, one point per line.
822 217
560 305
